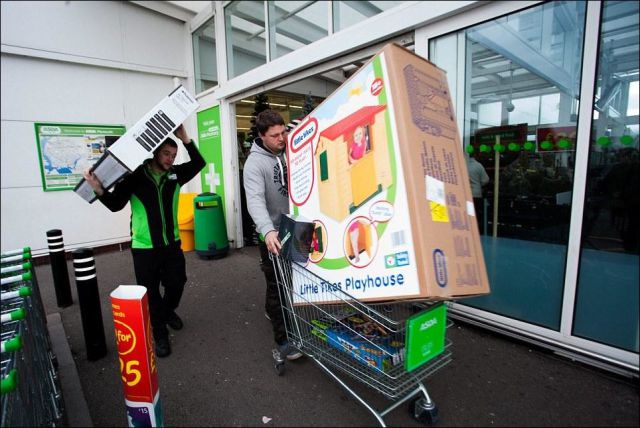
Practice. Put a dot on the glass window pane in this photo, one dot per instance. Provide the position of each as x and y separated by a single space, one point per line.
297 24
549 108
348 13
525 110
522 89
489 115
204 56
245 32
607 297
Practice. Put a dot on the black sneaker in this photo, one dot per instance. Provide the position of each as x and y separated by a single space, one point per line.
174 321
163 347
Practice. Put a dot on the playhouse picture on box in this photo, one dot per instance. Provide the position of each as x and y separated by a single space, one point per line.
352 158
378 165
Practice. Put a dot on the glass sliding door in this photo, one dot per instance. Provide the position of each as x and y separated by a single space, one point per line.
521 95
607 297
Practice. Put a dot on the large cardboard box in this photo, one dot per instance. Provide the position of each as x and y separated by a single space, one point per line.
394 212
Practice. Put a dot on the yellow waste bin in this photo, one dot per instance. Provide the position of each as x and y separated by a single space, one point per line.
185 221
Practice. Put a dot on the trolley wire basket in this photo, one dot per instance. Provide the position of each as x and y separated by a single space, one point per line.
367 342
31 393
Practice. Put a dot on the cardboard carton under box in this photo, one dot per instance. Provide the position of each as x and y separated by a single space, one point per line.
363 339
379 168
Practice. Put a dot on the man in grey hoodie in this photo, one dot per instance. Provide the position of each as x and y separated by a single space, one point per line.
265 184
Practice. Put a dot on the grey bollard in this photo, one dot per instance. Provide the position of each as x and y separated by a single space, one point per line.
59 268
89 300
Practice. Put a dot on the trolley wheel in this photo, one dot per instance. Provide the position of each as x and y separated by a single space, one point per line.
280 368
423 412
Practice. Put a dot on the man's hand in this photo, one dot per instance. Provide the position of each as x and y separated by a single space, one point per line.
272 241
181 133
94 182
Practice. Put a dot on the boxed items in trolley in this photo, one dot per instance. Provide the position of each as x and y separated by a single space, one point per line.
389 346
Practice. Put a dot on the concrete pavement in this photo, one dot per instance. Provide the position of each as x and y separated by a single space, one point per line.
221 371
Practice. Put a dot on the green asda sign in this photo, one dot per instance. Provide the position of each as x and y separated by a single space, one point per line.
210 145
425 336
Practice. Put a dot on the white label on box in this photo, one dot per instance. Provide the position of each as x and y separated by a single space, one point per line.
435 190
471 210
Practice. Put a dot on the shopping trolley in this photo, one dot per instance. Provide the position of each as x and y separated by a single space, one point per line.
31 393
367 342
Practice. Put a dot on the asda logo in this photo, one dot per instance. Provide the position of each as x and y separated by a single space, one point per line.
51 130
428 324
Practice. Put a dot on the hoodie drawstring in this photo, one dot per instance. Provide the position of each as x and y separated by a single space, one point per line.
281 171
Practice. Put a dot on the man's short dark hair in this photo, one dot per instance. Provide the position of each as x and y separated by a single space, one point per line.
167 142
266 119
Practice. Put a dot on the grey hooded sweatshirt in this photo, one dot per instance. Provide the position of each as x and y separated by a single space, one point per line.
265 184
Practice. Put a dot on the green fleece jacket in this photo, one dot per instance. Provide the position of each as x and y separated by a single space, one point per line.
154 204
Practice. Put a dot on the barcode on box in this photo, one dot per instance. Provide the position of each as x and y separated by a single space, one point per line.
397 238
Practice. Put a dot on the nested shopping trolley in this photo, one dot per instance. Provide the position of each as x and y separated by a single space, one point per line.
391 347
30 387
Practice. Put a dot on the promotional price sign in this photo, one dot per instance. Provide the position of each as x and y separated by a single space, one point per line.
138 369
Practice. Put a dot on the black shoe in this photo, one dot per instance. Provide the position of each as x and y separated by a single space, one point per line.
163 347
174 321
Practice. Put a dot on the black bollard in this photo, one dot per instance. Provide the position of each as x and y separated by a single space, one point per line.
89 300
59 268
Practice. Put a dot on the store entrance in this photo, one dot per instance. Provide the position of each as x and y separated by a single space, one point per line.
293 101
291 105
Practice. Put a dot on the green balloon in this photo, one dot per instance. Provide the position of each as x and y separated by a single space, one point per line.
626 140
529 146
564 144
469 149
499 148
484 148
514 147
603 141
546 145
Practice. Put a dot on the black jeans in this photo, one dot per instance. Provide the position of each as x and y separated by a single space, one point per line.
153 267
478 204
272 305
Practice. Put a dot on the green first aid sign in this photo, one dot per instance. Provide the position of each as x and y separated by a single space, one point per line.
425 336
210 146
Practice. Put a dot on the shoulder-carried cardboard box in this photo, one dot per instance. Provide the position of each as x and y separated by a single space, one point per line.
379 168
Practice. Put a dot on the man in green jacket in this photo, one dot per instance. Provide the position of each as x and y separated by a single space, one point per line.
153 191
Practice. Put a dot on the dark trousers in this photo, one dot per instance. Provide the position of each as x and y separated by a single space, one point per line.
272 305
153 267
478 204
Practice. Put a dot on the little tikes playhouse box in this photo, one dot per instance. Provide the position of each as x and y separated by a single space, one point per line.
379 168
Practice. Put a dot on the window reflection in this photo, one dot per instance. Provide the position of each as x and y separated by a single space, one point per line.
245 32
522 118
204 56
297 24
520 121
607 298
348 13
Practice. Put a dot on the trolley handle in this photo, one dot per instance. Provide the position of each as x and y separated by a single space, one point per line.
12 344
14 315
17 278
9 382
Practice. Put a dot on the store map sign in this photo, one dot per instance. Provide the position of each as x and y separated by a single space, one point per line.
66 150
